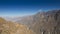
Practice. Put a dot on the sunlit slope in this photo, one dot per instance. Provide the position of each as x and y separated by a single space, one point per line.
13 28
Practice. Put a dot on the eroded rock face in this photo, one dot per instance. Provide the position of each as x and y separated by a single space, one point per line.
47 23
13 28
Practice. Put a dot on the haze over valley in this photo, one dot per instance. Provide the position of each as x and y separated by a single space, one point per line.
29 16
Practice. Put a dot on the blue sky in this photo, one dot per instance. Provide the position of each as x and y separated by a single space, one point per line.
26 7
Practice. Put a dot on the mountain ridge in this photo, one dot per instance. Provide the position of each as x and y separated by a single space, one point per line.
46 22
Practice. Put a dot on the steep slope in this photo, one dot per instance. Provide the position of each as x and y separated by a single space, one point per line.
44 22
47 22
13 28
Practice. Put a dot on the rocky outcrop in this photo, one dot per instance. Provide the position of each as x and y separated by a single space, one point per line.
47 22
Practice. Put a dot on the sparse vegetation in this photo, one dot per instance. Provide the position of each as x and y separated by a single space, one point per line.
40 23
13 28
47 22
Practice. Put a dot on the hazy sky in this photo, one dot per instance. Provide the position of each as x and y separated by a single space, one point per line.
26 7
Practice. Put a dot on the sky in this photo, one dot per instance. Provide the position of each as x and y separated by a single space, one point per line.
26 7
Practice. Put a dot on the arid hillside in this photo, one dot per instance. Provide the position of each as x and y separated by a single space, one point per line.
47 22
7 27
41 23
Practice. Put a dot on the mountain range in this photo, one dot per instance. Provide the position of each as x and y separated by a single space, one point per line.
42 22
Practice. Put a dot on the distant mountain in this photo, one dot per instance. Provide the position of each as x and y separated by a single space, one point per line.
26 20
14 19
